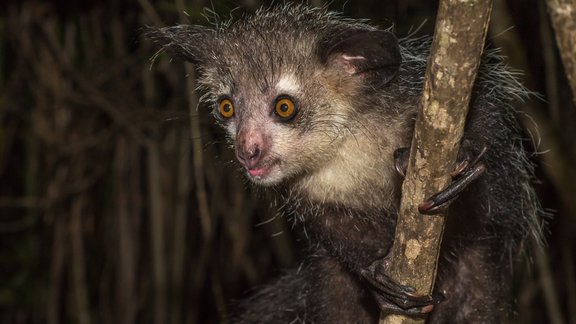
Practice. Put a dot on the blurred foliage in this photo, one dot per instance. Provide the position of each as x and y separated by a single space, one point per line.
119 202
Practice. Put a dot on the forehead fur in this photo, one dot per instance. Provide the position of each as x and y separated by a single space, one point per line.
264 47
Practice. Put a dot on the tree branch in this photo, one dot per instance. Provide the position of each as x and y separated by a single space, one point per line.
563 16
455 56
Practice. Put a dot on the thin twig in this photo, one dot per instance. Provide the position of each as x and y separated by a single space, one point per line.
151 13
91 91
155 196
126 264
80 288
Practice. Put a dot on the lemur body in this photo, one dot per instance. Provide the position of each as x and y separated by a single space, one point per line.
315 105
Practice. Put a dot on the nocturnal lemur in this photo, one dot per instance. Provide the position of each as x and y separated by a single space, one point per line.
321 107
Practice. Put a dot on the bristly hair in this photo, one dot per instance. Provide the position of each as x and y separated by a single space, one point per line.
308 32
356 91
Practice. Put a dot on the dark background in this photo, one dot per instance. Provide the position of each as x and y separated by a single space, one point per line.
118 206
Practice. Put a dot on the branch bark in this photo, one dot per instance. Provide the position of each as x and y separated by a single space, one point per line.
563 16
452 67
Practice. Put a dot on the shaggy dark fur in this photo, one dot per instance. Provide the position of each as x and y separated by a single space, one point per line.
357 90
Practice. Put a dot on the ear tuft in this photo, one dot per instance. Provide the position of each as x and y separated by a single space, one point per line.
190 43
374 54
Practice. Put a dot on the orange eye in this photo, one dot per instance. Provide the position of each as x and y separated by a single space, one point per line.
285 108
226 108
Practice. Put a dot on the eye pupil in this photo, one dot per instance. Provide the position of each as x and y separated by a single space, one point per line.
285 108
226 108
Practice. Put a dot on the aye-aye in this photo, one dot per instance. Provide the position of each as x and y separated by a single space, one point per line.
321 108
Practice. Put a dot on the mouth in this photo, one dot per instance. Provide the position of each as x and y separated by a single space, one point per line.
258 172
261 172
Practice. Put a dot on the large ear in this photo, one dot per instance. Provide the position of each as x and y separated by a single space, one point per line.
190 43
374 54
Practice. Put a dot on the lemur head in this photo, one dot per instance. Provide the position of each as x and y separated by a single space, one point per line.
285 83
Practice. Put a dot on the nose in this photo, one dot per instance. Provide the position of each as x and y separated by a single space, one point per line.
249 156
250 148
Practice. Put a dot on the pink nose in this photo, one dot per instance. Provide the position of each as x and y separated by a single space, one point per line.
249 156
250 147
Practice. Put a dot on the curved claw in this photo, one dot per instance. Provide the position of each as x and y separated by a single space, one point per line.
394 297
460 168
464 173
440 201
401 157
465 163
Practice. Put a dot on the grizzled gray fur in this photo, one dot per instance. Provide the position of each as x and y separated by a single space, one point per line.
315 105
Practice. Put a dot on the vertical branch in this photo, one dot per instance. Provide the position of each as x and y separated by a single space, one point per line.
180 223
198 163
157 232
197 145
58 258
569 272
554 162
563 16
550 61
126 254
455 56
159 259
79 262
547 284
